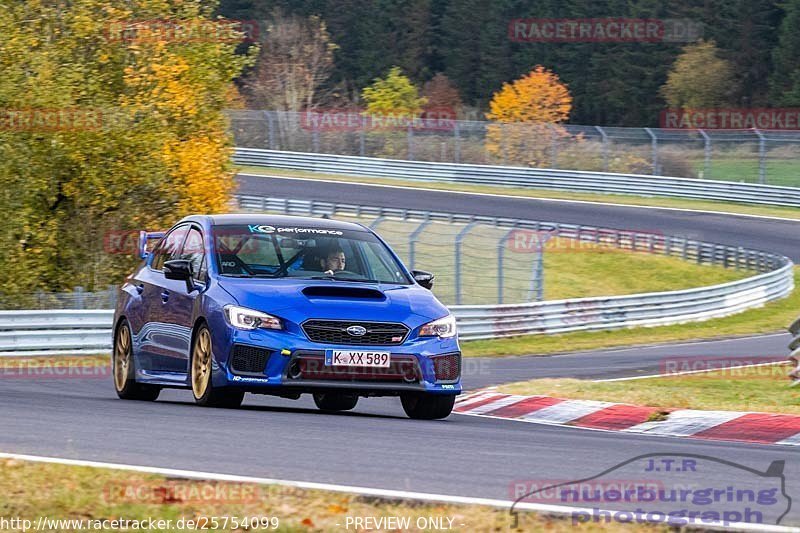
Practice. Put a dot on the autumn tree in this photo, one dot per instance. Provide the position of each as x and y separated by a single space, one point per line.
296 59
107 124
699 78
441 93
393 102
526 114
393 95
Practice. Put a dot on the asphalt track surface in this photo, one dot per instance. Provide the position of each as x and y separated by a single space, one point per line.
771 235
375 445
626 362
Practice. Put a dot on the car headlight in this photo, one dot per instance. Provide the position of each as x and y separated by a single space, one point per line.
243 318
444 328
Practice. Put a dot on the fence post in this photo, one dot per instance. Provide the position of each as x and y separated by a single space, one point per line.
604 137
501 246
707 154
412 240
536 287
540 275
362 138
112 296
376 222
315 141
459 239
410 136
456 142
504 142
654 145
79 298
270 130
553 146
762 156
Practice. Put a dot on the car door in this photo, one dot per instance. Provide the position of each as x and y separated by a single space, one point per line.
157 339
178 303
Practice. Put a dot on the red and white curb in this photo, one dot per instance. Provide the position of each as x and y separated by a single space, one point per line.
762 428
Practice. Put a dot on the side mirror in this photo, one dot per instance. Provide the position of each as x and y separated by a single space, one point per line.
423 278
181 270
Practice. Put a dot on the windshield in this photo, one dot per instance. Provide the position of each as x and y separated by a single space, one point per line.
257 250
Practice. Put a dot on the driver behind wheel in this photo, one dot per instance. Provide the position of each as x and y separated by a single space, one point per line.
333 261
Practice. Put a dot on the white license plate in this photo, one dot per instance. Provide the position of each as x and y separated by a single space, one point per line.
357 358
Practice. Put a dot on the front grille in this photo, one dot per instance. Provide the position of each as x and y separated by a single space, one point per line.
447 367
249 359
335 332
311 365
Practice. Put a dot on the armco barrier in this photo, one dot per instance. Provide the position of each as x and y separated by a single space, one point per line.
534 178
89 331
50 332
776 278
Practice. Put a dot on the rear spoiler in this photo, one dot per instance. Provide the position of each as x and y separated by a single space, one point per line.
145 236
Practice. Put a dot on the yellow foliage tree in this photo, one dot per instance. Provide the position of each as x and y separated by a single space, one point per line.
526 113
144 142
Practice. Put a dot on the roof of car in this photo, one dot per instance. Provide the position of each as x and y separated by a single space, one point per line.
276 220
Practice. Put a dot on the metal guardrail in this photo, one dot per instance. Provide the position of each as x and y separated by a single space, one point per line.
775 279
51 332
749 155
89 331
691 250
534 178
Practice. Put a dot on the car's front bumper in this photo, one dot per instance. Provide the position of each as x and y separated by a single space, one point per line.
412 368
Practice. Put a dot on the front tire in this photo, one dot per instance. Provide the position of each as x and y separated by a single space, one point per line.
335 402
124 368
201 365
428 406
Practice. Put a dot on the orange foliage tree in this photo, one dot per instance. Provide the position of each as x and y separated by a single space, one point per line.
526 114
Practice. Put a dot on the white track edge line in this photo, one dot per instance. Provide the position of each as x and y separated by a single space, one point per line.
387 493
515 196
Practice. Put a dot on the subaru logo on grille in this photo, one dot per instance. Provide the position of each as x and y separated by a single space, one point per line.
356 331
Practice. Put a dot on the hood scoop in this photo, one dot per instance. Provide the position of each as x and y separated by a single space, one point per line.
324 291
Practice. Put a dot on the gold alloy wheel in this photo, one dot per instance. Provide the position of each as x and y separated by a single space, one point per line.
122 357
201 363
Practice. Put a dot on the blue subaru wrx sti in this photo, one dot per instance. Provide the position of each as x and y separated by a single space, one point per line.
280 305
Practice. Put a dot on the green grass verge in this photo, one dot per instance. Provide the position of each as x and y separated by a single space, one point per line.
773 317
594 271
703 205
760 389
782 172
32 490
